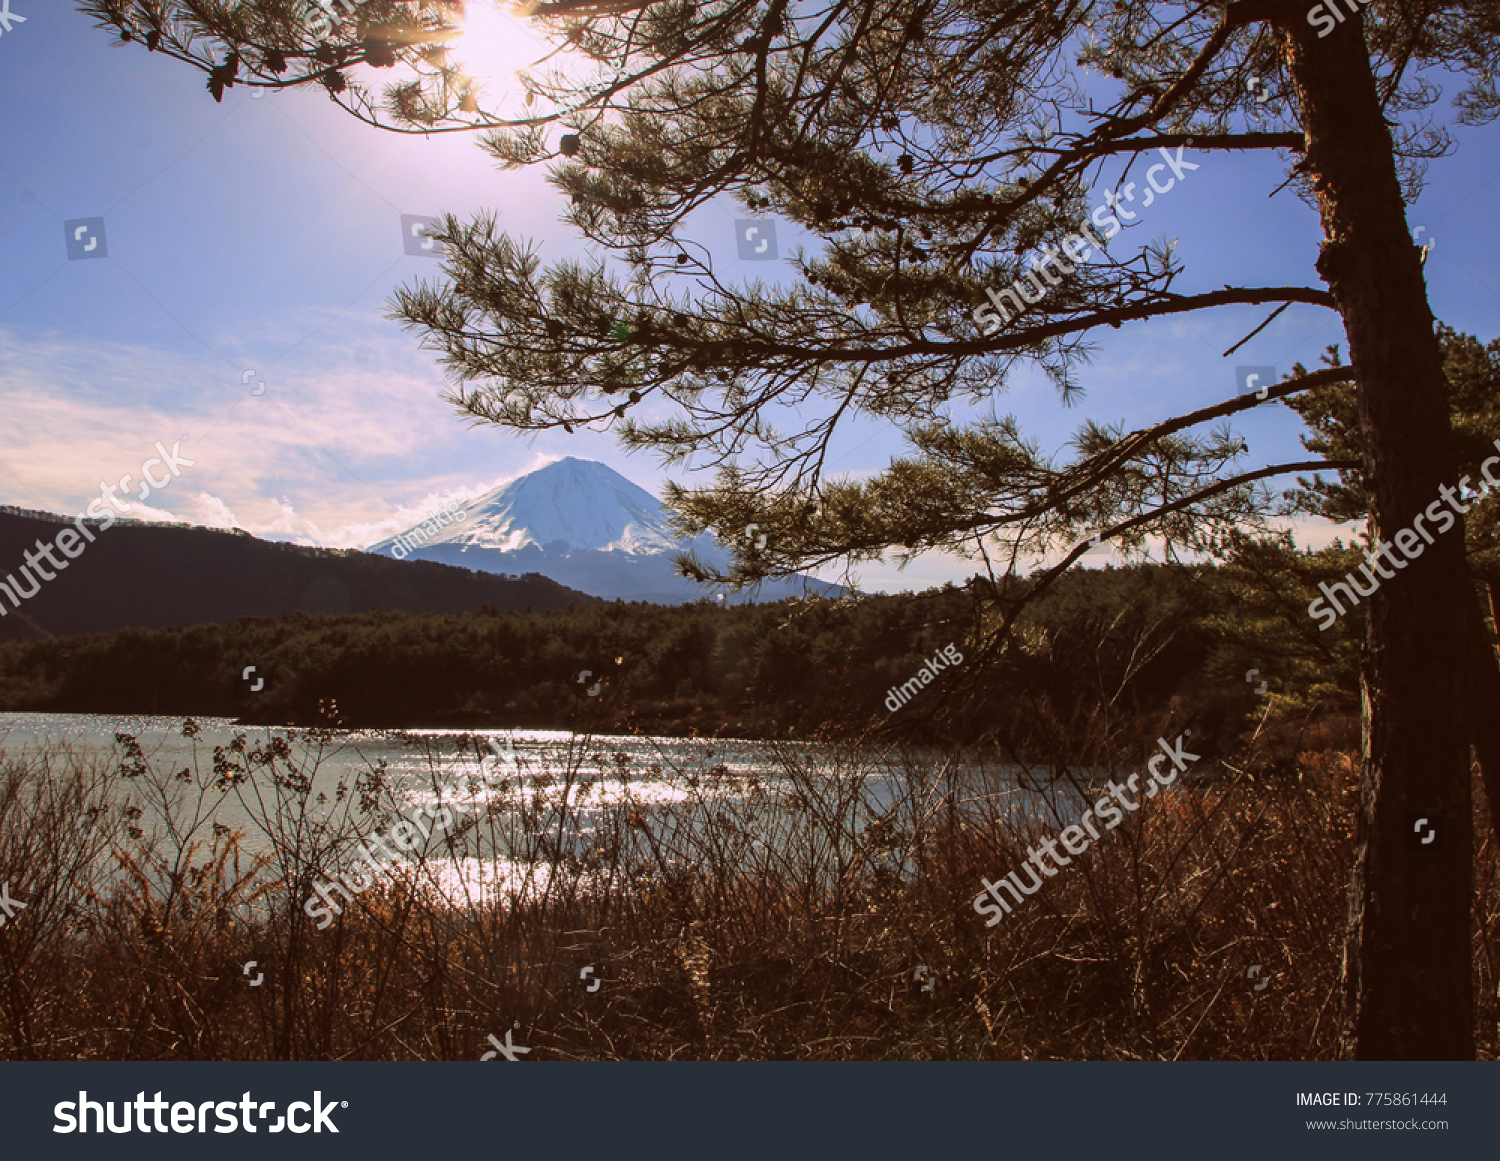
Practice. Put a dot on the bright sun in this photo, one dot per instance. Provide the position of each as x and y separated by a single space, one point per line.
494 46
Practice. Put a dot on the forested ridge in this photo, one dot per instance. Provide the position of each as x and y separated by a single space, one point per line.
1133 642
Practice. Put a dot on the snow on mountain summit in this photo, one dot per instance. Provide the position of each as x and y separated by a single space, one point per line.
584 525
570 506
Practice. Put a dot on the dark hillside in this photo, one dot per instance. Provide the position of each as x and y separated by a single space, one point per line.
162 576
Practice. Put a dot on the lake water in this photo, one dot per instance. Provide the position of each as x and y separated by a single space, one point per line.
541 798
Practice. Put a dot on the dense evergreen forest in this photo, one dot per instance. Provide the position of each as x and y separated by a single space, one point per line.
1133 643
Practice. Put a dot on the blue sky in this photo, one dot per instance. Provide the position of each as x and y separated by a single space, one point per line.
264 236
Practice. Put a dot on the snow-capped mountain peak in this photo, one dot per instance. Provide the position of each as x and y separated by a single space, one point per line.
581 523
570 506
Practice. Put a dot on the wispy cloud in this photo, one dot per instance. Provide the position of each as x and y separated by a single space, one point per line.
349 440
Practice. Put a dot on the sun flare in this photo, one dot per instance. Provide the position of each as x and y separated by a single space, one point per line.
494 46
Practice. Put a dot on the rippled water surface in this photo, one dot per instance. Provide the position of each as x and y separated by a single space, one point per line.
578 789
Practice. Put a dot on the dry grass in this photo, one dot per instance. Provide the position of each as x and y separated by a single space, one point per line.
710 945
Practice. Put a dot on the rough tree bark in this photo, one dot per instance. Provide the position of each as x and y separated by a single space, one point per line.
1483 708
1408 991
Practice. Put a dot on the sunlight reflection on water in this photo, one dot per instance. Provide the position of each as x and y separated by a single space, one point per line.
529 807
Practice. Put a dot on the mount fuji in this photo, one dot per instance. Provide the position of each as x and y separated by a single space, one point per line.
583 525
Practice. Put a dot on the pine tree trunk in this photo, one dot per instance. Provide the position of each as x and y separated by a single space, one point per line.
1483 707
1408 991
